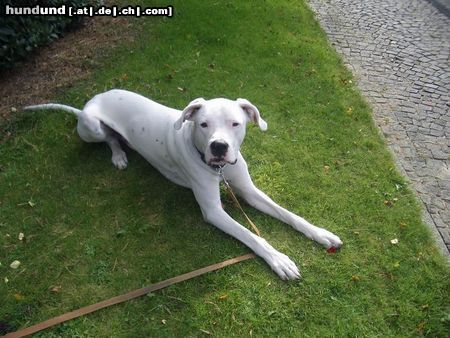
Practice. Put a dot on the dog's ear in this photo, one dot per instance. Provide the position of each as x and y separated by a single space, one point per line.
252 113
188 112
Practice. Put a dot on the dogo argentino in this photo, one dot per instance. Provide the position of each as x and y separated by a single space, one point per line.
188 147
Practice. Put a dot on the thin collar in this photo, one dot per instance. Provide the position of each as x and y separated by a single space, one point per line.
202 156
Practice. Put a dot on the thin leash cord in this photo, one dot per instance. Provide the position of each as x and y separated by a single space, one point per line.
236 201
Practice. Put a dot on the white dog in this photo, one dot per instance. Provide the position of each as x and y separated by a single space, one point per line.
189 147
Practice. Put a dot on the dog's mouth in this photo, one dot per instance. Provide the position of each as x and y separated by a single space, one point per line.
215 162
220 162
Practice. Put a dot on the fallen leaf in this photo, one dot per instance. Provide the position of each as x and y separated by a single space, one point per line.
331 250
19 297
419 256
56 289
15 265
355 278
121 233
206 332
421 326
223 297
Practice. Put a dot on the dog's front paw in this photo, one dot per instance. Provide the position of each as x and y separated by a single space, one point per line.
327 239
283 266
120 160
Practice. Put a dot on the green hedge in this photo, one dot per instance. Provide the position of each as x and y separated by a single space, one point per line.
19 35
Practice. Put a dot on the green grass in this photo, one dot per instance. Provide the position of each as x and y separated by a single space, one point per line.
94 232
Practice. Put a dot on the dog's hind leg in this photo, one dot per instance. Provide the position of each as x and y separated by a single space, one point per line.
92 129
119 157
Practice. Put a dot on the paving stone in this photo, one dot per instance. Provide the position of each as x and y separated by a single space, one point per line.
437 133
446 237
398 51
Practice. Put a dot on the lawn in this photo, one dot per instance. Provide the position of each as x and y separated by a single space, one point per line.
93 232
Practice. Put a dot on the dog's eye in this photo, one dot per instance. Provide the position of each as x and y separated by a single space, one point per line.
204 125
235 124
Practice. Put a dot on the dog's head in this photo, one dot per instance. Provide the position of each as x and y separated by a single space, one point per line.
219 127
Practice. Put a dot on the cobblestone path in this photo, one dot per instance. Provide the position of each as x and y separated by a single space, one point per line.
399 54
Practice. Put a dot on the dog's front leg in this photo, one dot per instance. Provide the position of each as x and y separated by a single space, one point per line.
262 202
208 198
240 180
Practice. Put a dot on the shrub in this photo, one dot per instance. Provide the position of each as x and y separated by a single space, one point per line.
19 35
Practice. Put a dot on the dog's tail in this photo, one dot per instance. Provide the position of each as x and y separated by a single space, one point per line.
54 106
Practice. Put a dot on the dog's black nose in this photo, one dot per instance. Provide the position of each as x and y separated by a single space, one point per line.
218 148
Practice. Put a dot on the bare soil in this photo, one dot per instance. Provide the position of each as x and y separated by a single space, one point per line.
60 64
